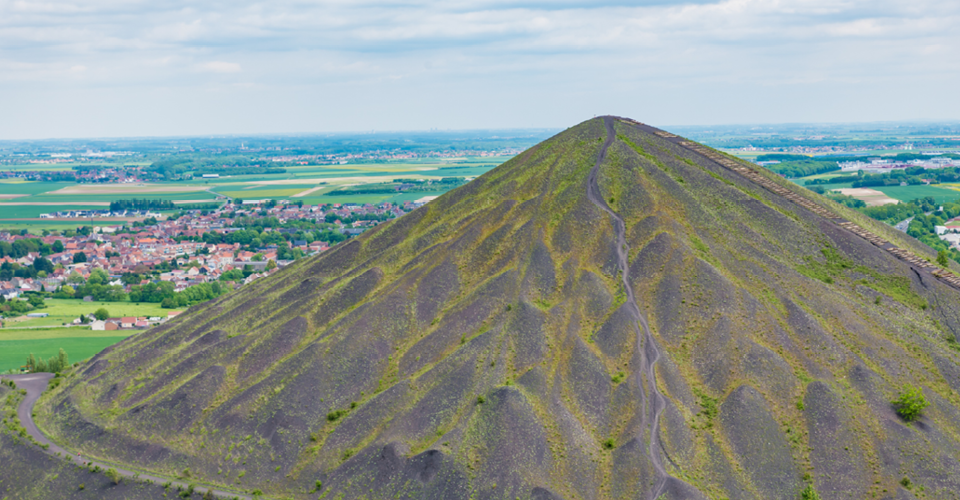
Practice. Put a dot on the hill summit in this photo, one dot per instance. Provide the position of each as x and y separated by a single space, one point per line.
615 313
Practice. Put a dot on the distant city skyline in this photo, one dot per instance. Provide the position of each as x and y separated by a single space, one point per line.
131 68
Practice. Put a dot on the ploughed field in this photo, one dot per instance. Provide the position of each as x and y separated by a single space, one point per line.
691 328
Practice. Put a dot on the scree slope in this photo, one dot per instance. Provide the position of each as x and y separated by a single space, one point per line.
615 313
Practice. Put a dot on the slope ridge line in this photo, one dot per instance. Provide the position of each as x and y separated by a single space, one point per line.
945 275
646 345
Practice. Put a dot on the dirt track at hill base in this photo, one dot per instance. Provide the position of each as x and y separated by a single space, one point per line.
35 384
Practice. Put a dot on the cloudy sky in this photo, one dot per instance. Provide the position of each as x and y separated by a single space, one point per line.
98 68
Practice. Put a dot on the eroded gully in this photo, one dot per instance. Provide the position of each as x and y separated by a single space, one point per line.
646 345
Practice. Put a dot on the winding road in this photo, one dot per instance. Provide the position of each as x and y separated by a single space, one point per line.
650 422
904 224
35 384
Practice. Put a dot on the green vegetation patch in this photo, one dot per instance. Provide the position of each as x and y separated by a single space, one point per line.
31 187
58 333
62 311
710 406
906 193
910 403
14 353
836 266
827 271
263 193
8 211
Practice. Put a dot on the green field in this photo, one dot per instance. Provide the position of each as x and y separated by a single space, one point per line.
829 175
270 192
34 211
302 178
828 187
44 336
31 188
907 193
59 332
902 193
361 199
66 310
36 168
80 198
36 227
14 352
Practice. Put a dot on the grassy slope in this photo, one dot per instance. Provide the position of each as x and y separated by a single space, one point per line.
476 346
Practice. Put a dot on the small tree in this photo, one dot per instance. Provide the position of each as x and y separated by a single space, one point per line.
943 259
113 475
62 361
101 314
910 403
809 493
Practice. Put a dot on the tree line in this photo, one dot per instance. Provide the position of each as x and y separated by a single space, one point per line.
176 167
144 204
55 364
803 168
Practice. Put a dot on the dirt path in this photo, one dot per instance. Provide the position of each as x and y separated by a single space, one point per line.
650 422
301 194
35 384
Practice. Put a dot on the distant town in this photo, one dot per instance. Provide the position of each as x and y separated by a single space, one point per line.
231 246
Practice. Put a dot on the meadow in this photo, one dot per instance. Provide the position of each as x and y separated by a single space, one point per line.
9 211
31 187
46 336
36 168
39 225
66 310
907 193
79 343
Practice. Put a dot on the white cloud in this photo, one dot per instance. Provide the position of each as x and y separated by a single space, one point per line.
491 51
220 67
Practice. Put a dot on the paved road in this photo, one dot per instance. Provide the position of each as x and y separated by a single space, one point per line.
904 224
35 384
41 327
